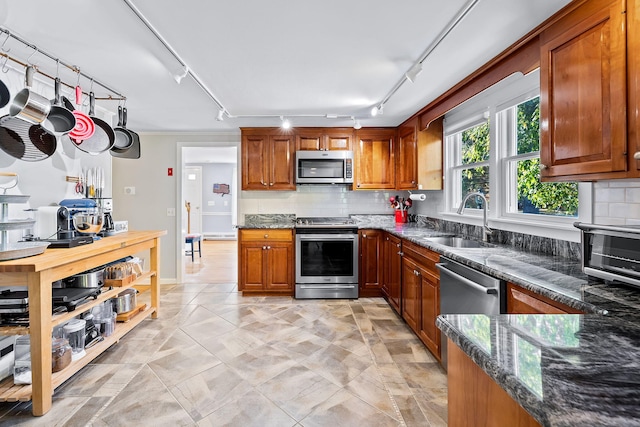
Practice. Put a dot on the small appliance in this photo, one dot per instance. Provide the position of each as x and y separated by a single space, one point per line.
324 167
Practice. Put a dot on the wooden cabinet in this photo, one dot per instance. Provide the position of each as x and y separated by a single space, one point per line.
419 156
38 272
392 271
523 301
475 399
422 280
267 160
633 72
266 261
375 159
324 139
583 120
370 268
407 156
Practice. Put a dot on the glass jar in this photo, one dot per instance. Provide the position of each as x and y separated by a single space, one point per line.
75 333
60 354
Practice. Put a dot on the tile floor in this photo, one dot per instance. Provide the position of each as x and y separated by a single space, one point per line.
216 358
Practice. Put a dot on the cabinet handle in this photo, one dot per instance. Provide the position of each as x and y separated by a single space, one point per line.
266 236
397 245
416 272
268 247
401 253
264 248
271 183
543 167
358 185
263 183
364 236
413 183
637 155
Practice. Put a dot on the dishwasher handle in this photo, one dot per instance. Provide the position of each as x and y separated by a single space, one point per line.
444 270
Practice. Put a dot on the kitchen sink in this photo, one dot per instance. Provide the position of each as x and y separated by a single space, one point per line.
459 242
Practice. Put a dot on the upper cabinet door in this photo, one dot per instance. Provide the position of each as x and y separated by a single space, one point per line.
407 164
374 158
281 155
583 92
633 59
337 139
254 162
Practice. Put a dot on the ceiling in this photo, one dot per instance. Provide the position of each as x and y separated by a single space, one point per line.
299 59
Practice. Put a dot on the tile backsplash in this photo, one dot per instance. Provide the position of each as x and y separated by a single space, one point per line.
317 200
616 202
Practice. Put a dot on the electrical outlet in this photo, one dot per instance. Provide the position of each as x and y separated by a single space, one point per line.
226 203
171 211
130 190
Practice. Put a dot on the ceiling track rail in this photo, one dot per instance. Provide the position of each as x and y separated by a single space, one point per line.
451 25
115 95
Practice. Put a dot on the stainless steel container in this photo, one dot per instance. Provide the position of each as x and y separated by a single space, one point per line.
89 279
125 301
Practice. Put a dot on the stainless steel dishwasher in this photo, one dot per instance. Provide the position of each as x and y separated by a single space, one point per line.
464 290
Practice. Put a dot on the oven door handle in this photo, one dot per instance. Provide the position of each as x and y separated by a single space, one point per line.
327 286
325 237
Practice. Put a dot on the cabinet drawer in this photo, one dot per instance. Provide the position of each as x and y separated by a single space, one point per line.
523 301
264 234
427 257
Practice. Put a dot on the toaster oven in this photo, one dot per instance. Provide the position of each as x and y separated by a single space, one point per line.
611 252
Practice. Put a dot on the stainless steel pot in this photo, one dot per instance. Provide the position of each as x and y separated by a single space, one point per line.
28 105
89 279
125 301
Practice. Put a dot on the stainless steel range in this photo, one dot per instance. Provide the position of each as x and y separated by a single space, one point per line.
326 258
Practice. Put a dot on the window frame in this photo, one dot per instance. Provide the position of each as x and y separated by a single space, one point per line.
490 105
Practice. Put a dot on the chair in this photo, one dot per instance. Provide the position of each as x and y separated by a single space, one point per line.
191 239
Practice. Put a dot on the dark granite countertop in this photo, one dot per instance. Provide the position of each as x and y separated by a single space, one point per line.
565 370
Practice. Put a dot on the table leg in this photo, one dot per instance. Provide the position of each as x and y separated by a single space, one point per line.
39 288
154 255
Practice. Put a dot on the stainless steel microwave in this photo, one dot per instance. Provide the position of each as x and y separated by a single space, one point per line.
324 167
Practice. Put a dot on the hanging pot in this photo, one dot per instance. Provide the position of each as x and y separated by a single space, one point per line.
60 120
103 137
28 105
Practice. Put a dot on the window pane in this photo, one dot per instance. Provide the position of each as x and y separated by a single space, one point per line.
545 198
528 126
475 144
473 180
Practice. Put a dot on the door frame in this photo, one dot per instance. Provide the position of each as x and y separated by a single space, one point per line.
224 140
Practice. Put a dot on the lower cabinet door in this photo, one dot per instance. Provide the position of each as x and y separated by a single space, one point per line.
279 270
429 334
411 293
252 270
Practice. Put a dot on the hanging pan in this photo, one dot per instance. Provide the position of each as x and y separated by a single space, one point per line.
24 140
4 94
124 137
103 137
133 152
60 120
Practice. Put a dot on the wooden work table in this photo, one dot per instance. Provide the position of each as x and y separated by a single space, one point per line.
38 273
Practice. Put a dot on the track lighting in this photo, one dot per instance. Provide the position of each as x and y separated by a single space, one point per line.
356 123
413 72
181 75
220 116
376 110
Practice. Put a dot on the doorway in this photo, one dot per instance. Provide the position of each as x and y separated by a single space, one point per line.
209 189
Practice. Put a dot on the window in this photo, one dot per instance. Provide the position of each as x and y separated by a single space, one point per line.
492 146
525 193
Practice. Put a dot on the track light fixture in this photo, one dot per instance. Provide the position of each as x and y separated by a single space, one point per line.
376 110
356 123
220 116
413 72
179 76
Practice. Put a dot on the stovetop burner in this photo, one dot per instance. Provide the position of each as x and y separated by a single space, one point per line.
334 222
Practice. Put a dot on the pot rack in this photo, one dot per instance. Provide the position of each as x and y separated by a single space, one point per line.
115 96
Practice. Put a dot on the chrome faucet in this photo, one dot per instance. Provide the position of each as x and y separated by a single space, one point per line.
486 231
